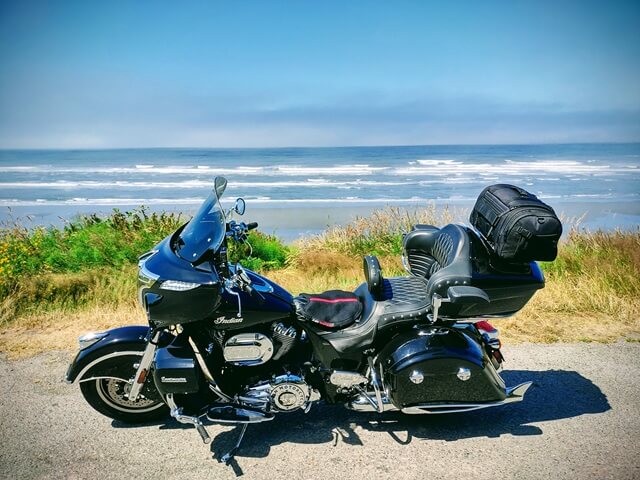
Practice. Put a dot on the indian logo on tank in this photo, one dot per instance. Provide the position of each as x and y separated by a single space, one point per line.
223 319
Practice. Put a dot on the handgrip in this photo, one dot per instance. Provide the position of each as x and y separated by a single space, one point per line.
252 225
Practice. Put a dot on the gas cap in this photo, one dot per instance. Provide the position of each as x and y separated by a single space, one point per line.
416 377
464 374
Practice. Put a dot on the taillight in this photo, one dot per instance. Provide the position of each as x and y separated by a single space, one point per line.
490 335
485 327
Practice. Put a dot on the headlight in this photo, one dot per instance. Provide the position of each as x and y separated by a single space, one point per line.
178 286
89 339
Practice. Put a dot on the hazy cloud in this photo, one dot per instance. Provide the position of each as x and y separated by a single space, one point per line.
240 121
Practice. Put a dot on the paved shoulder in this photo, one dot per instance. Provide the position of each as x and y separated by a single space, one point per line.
581 419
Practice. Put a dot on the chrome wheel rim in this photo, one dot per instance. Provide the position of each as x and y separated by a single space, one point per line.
113 392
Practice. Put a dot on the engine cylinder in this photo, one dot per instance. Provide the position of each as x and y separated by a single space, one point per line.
284 335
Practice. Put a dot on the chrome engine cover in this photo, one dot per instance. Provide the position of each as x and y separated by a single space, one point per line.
285 393
289 392
247 349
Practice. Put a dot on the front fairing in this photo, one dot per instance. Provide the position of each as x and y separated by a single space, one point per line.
170 307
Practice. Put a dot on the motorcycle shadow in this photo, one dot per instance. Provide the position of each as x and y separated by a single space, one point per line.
554 395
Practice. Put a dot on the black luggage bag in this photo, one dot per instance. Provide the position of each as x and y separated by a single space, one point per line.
518 226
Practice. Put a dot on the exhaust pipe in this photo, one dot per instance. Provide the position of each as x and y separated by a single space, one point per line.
514 394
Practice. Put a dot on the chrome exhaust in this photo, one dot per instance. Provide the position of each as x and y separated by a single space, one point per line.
363 403
514 394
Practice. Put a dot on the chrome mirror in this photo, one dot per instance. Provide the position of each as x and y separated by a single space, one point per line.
240 206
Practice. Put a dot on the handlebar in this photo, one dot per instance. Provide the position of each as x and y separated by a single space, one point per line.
238 231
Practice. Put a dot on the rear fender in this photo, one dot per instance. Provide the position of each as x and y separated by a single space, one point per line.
101 359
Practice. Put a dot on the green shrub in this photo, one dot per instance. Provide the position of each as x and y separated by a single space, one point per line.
261 252
92 259
88 242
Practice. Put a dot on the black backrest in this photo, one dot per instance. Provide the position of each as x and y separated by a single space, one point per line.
373 275
446 256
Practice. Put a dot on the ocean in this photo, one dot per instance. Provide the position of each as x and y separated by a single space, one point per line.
301 190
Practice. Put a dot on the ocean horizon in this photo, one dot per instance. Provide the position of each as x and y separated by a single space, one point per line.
324 185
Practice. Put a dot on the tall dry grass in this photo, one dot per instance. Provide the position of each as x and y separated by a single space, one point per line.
380 233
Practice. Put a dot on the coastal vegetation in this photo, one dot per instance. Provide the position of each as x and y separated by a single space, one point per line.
56 283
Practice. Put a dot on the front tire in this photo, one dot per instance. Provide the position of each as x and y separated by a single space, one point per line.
108 396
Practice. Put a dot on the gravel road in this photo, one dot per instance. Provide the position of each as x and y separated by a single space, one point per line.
581 419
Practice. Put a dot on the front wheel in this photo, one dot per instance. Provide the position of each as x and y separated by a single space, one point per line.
109 397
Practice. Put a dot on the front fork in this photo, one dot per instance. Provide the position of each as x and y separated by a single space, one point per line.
145 365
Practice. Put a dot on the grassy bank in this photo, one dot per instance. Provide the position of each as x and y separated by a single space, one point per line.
57 283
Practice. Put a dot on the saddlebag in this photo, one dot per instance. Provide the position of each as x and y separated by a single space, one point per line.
438 366
332 309
518 226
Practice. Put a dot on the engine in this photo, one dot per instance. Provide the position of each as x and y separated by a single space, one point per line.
250 349
265 384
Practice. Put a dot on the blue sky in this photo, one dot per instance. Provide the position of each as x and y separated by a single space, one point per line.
278 73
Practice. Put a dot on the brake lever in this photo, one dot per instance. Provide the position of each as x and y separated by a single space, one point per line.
246 283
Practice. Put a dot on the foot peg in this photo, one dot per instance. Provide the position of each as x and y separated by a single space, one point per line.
231 414
203 432
176 412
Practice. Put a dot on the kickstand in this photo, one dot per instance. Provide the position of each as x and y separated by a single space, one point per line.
226 458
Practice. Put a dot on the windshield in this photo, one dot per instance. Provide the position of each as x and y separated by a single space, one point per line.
206 229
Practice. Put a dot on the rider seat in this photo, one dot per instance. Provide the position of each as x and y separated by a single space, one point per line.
334 309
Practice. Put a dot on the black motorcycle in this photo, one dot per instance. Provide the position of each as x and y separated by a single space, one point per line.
227 345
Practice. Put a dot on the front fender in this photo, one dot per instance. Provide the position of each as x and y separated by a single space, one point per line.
93 361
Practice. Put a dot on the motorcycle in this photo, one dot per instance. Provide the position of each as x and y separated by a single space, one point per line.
226 345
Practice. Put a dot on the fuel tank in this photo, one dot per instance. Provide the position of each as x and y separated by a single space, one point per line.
438 365
268 302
